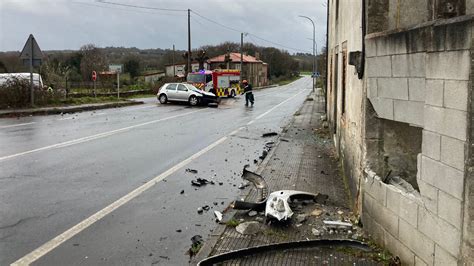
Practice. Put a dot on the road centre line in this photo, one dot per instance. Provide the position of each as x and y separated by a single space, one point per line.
68 234
93 137
17 125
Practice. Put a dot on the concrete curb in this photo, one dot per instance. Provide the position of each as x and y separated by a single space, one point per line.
211 242
67 109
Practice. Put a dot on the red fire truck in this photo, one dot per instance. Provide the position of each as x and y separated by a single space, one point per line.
221 82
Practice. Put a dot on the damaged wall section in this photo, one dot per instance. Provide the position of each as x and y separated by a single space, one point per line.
419 80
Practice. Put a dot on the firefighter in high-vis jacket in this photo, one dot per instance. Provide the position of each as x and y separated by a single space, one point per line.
248 93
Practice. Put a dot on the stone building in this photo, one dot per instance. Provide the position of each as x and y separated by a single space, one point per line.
400 80
254 69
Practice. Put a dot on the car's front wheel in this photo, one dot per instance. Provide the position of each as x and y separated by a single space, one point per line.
163 99
193 100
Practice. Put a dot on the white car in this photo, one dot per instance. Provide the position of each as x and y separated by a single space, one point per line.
182 92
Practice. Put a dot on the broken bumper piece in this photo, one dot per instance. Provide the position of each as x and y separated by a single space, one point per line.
278 206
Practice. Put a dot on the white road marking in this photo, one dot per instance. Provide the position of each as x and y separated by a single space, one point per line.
274 107
68 234
93 137
17 125
66 118
138 108
55 242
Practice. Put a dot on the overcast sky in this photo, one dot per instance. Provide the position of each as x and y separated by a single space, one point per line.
69 24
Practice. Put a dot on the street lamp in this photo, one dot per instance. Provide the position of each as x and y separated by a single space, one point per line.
314 43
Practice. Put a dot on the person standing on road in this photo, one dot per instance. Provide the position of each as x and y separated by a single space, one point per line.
248 93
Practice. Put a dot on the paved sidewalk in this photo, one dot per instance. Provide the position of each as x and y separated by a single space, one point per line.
303 159
65 109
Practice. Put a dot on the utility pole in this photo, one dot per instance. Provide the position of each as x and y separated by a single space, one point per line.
241 54
188 69
174 64
32 86
314 55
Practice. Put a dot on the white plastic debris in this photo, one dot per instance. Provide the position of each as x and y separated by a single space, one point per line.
218 215
337 224
277 203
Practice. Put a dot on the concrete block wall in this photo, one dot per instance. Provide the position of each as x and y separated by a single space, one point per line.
424 80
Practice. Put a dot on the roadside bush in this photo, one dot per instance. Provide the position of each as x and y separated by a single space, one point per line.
15 93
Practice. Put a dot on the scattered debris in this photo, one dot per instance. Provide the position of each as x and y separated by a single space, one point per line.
252 213
316 212
182 192
192 171
285 140
259 219
206 207
195 246
248 228
262 192
269 134
270 144
218 215
201 182
300 218
179 230
315 232
264 154
200 210
255 161
244 185
337 224
277 205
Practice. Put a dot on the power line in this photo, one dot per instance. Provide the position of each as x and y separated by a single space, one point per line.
126 10
141 7
215 22
203 17
237 30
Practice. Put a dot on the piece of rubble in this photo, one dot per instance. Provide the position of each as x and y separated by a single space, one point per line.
264 154
201 182
316 212
248 228
315 232
192 171
300 218
269 134
200 210
252 213
337 224
182 192
243 185
259 219
206 207
218 215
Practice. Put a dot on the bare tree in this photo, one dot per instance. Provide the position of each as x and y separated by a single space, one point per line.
93 59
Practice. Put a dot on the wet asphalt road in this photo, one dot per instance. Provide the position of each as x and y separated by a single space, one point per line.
56 171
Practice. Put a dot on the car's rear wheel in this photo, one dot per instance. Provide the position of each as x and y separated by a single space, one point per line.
163 99
193 100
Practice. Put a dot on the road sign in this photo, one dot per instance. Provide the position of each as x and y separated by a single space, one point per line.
315 75
31 48
32 55
115 68
94 75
